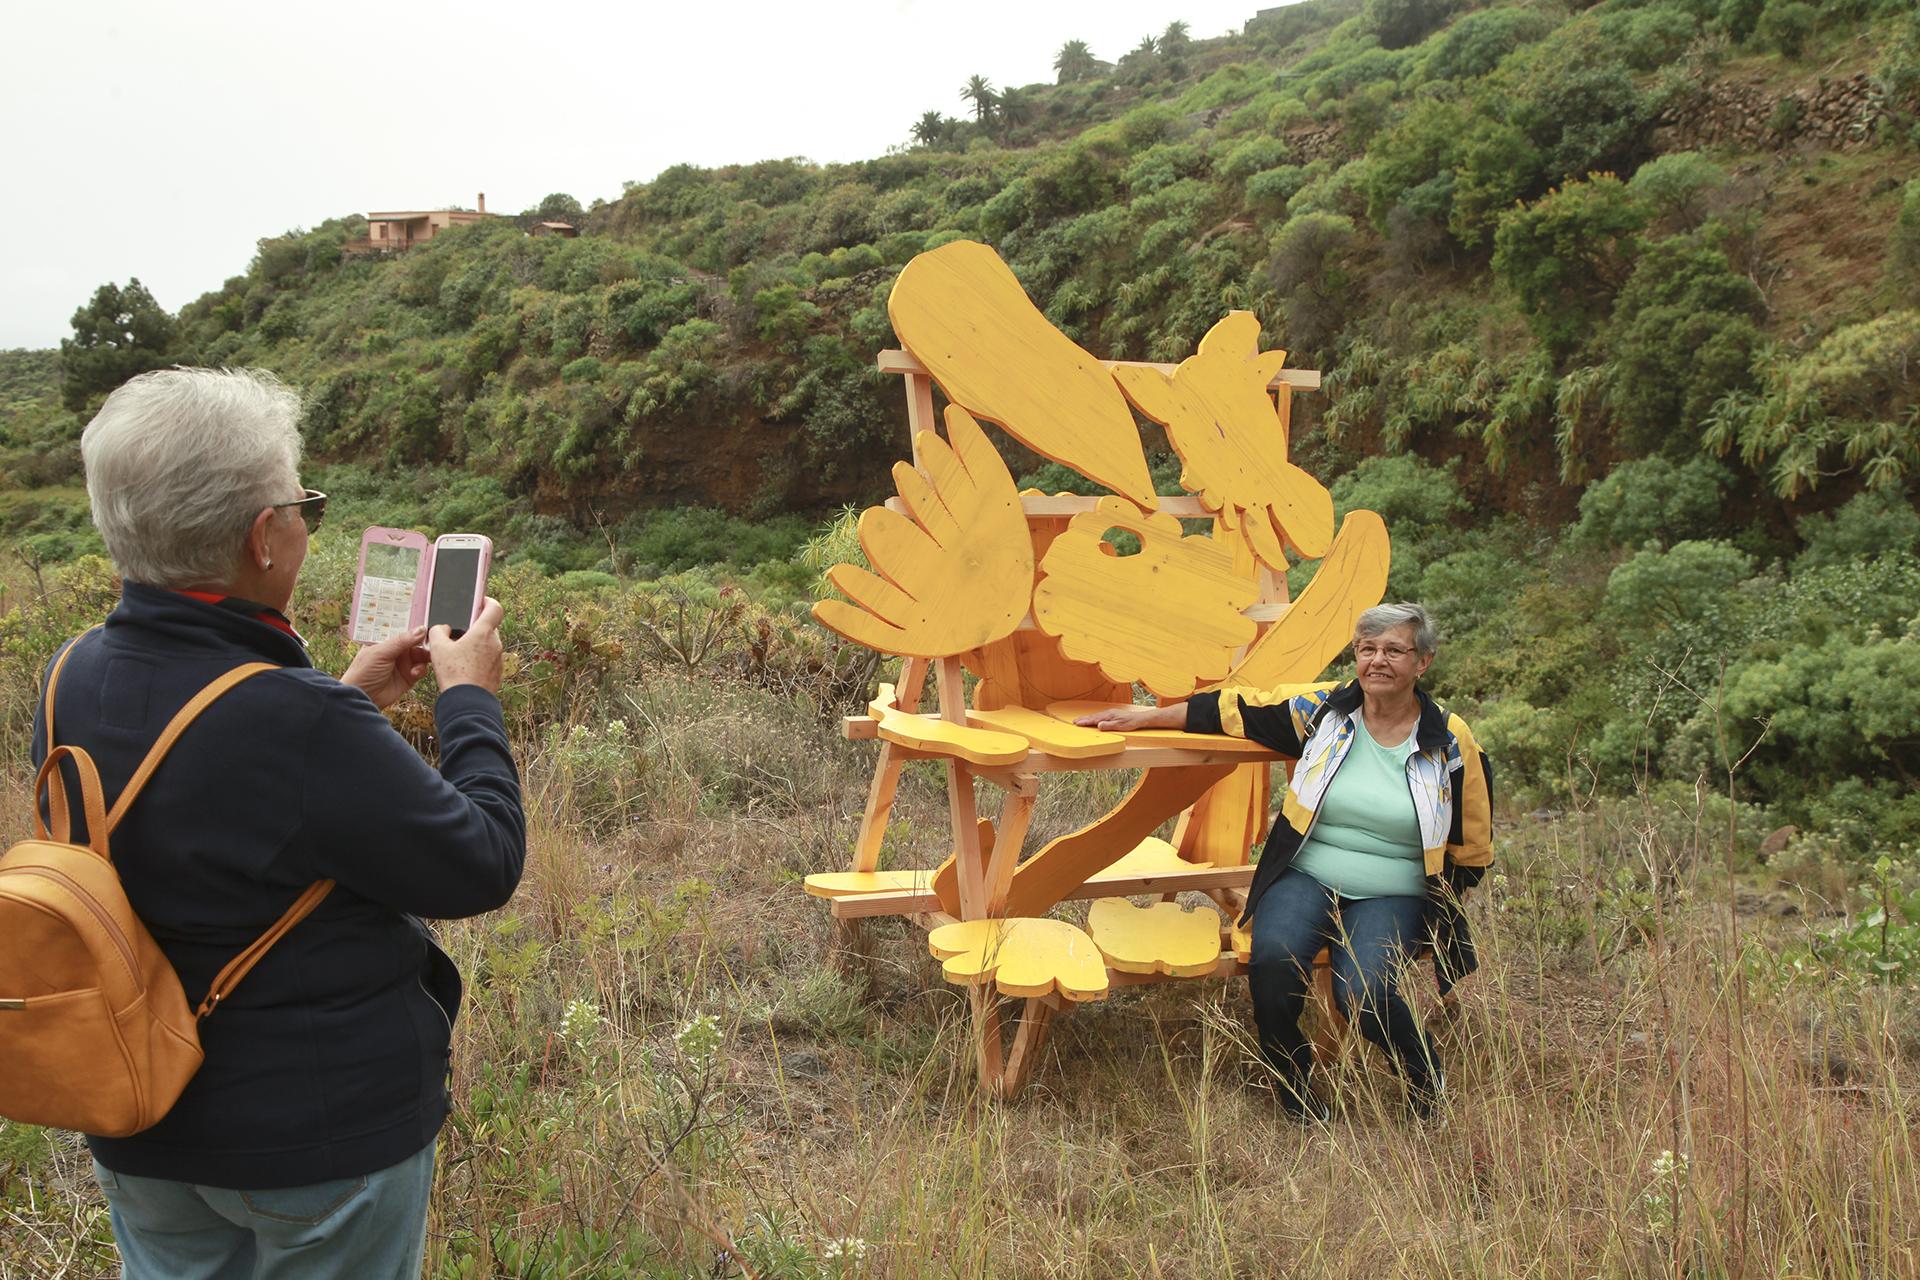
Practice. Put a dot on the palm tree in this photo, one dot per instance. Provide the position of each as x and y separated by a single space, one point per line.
980 93
1147 47
929 128
1016 108
1175 37
1074 62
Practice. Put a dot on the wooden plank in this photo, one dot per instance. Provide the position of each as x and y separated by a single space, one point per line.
1222 824
1168 616
1226 967
910 902
964 315
886 775
1015 812
954 577
1232 444
1031 1033
920 415
1055 871
1046 733
894 360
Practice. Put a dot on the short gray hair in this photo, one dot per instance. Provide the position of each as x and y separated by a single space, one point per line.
180 461
1385 617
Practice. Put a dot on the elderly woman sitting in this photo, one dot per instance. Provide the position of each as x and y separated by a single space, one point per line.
1386 819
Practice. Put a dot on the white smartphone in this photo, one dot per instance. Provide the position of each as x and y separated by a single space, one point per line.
457 581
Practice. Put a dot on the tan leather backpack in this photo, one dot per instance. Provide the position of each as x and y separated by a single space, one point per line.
95 1032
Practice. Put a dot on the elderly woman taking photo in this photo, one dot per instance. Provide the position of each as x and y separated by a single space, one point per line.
303 1146
1386 820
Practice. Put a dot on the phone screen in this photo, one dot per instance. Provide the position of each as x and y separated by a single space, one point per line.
456 572
386 592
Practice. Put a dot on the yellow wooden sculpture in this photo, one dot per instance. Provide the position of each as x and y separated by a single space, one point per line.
1029 592
1168 616
961 311
1232 441
956 576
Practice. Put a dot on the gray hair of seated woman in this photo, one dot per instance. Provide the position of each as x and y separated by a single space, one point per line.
179 463
1385 617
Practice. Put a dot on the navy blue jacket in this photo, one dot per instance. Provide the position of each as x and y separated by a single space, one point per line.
330 1060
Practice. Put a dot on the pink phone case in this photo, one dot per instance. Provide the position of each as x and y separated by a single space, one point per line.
479 578
384 607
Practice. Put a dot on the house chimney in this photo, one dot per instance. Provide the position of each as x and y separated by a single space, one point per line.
483 202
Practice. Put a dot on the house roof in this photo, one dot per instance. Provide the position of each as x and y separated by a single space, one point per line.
560 226
410 215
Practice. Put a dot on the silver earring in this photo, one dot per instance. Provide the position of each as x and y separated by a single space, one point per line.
268 565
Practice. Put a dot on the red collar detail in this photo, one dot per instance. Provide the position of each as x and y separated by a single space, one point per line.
246 608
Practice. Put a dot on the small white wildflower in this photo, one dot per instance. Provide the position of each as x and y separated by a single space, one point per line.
1499 884
699 1039
580 1023
845 1249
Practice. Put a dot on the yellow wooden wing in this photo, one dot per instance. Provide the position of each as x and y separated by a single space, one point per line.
959 574
1021 957
1169 616
1317 626
963 314
1232 442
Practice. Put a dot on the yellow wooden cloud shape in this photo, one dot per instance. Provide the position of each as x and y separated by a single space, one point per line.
955 577
963 314
1021 957
1232 443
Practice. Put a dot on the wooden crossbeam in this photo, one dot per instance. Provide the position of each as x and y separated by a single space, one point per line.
915 902
894 360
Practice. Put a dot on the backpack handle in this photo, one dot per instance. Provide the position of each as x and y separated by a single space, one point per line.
237 968
54 784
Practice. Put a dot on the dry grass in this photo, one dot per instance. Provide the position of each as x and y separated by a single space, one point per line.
837 1113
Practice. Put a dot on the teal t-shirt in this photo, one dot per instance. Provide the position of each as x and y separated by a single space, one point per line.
1366 841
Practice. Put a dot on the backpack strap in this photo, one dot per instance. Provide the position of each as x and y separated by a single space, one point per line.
175 727
237 968
54 781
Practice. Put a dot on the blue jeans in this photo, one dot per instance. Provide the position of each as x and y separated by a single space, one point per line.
373 1226
1369 939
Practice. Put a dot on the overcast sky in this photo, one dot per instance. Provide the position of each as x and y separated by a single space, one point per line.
160 139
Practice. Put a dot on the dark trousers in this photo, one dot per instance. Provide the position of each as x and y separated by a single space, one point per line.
1369 939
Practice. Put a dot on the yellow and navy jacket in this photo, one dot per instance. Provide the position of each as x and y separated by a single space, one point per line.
1448 777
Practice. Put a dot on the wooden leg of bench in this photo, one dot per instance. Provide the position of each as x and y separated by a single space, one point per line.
1329 1028
1027 1039
986 1027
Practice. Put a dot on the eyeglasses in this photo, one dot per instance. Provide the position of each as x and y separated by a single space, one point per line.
313 508
1394 653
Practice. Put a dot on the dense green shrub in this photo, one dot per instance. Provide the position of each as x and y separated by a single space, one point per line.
1651 500
1565 254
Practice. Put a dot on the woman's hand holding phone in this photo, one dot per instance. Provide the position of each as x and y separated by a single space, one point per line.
387 671
476 657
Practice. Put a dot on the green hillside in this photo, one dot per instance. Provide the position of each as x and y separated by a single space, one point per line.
1616 304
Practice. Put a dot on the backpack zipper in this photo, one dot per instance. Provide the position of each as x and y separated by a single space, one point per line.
107 922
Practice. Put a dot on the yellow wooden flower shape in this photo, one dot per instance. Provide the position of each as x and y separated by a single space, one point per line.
1168 616
964 315
955 577
1021 957
1232 444
1163 938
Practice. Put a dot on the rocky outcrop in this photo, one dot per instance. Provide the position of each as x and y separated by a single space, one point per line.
1839 113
